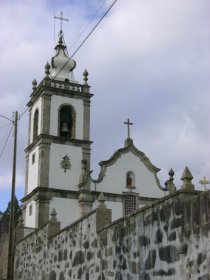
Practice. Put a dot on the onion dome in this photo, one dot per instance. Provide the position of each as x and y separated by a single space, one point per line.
61 65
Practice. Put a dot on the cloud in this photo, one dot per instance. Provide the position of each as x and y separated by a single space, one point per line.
147 60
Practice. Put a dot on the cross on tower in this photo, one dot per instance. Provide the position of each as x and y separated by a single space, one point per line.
61 18
128 124
204 182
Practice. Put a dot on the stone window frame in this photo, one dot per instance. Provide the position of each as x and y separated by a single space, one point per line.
73 112
132 175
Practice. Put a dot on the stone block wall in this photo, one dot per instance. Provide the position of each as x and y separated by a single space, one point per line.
166 240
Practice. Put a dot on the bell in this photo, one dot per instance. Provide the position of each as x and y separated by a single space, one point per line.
64 129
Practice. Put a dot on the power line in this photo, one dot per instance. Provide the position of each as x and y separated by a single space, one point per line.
110 7
23 113
93 29
6 142
92 14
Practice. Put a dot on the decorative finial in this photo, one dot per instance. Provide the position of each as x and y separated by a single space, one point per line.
34 84
47 70
85 75
204 182
187 180
53 216
101 201
169 183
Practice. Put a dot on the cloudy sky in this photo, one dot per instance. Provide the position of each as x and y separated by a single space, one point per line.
147 61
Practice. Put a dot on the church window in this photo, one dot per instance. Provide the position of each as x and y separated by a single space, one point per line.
35 127
30 209
66 121
130 204
130 180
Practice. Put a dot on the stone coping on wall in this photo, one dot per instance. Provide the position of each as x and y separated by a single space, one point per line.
141 210
159 201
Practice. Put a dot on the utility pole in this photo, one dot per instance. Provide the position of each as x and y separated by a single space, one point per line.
10 263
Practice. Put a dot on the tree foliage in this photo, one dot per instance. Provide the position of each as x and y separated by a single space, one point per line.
6 214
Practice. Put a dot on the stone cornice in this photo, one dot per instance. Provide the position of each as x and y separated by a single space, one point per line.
48 193
49 139
53 87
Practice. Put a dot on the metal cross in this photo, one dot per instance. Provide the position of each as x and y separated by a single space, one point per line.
204 182
128 124
61 19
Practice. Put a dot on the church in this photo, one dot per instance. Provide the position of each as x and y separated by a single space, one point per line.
121 226
58 155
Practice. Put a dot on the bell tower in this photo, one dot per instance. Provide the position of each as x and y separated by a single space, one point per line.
58 152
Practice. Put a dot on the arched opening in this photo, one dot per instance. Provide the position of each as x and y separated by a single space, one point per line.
35 126
66 121
130 180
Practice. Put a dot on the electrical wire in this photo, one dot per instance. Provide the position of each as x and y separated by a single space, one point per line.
6 142
20 116
86 24
83 22
110 7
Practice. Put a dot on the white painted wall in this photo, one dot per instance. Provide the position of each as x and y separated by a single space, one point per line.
37 105
57 177
56 102
33 170
115 177
30 219
67 210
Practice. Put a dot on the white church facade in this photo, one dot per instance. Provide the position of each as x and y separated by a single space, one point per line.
58 155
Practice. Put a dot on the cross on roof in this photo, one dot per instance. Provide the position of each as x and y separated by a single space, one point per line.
204 182
61 18
128 124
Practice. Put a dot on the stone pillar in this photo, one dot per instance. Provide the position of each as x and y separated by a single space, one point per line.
103 215
26 176
42 209
43 167
187 180
86 120
20 229
54 225
85 202
23 209
45 116
29 127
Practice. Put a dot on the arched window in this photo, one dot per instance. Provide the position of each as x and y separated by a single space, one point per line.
35 127
130 180
67 121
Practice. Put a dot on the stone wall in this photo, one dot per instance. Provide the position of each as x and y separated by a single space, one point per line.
166 240
4 256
